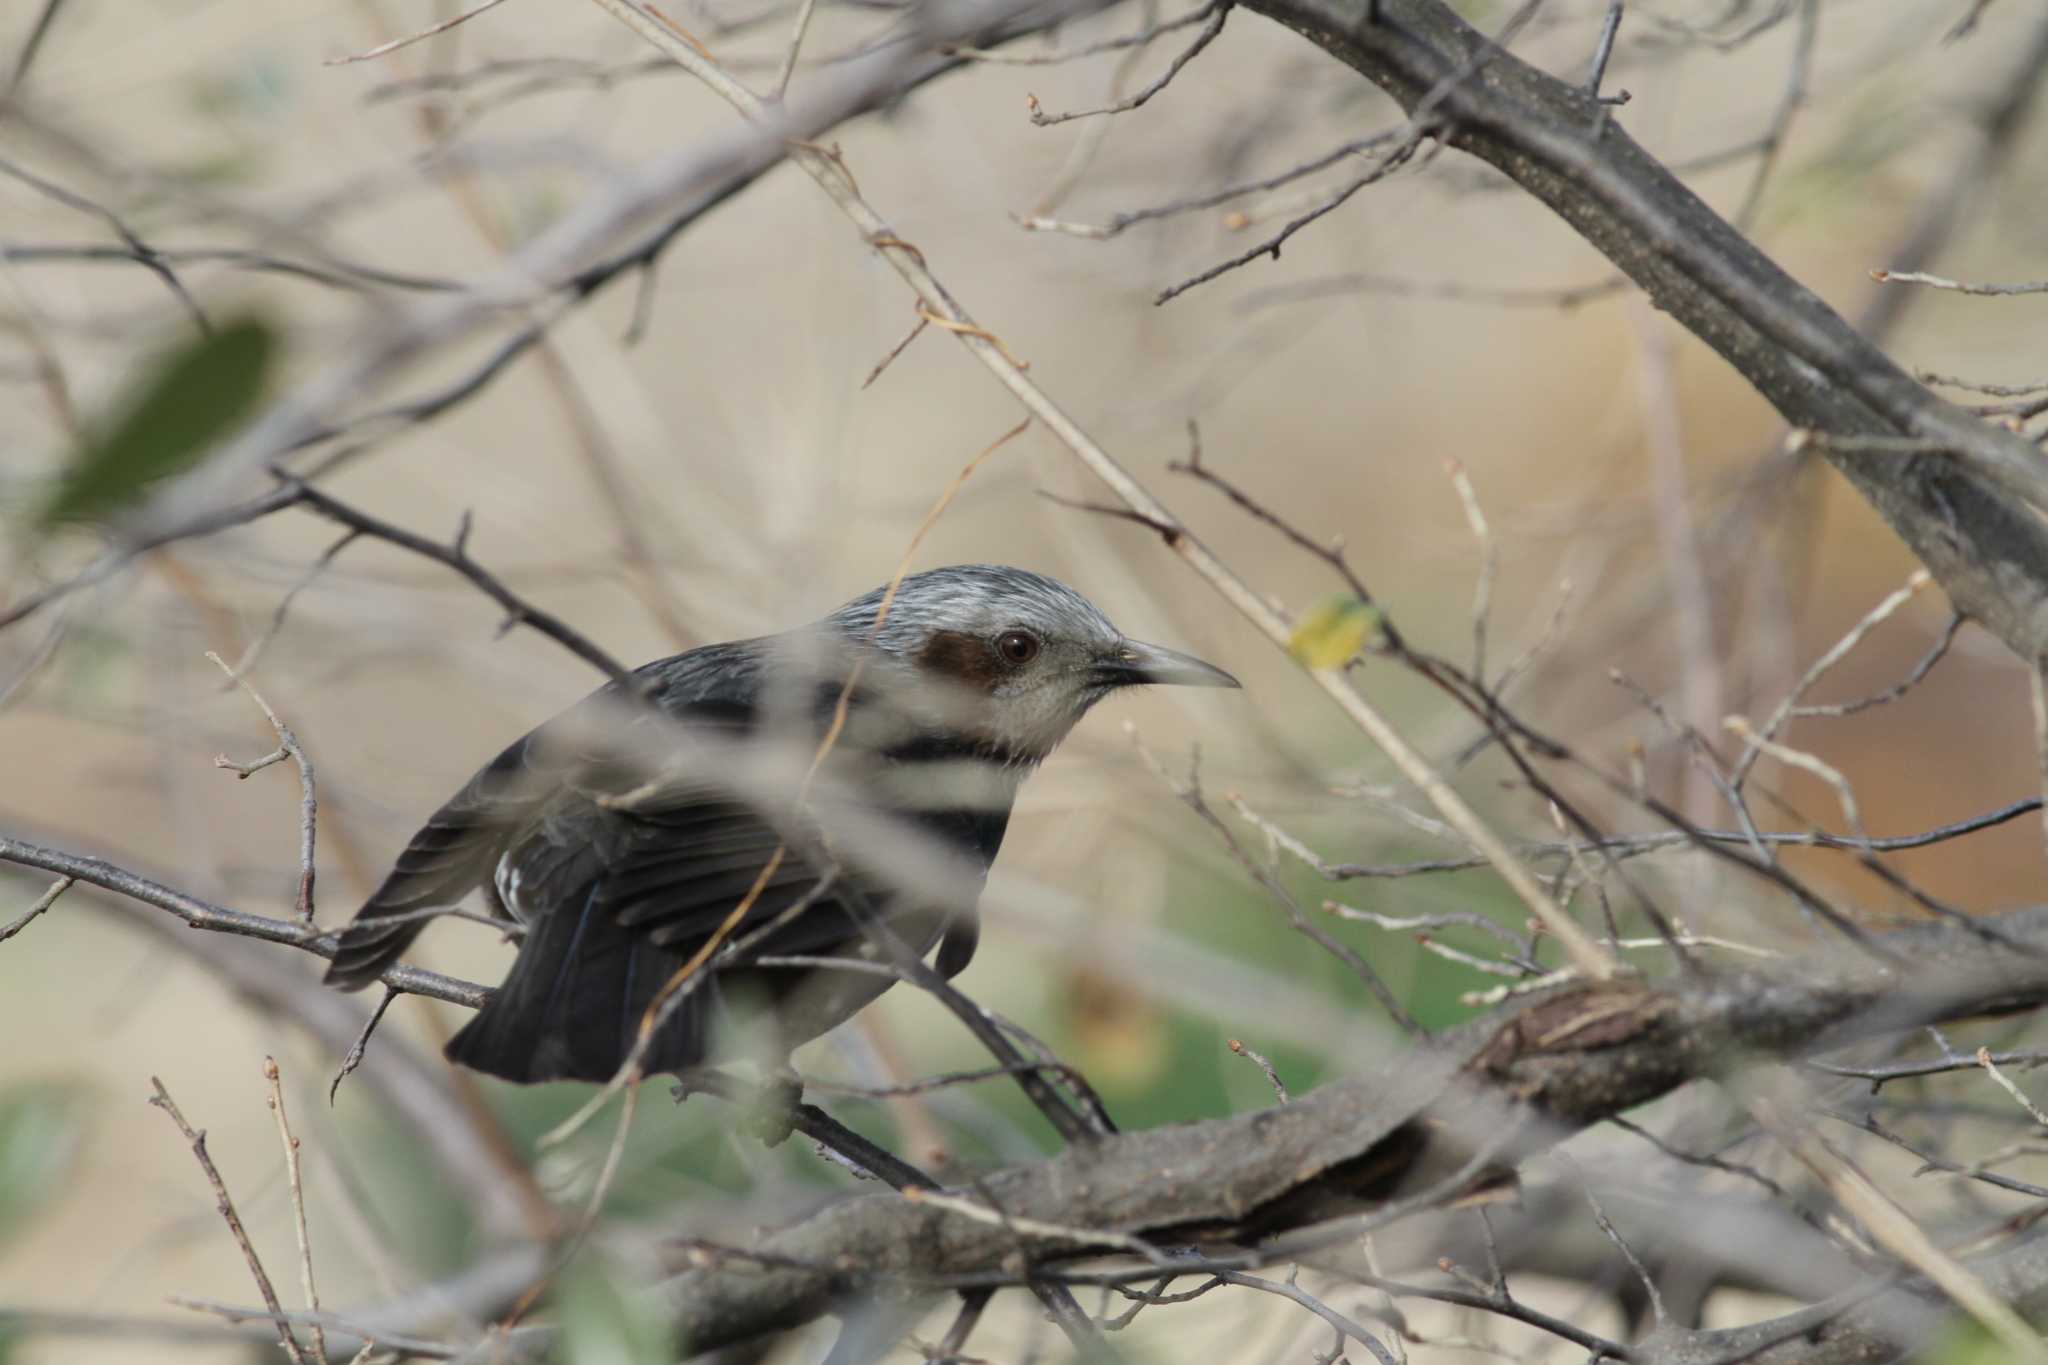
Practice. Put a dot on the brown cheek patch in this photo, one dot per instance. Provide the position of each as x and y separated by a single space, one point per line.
963 659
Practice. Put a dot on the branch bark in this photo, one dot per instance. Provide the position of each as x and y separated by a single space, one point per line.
1262 1182
1965 512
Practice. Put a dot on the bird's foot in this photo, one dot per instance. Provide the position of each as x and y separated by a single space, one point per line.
771 1114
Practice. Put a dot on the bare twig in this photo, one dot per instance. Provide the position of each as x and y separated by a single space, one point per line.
162 1100
518 611
1613 1235
1118 223
201 914
1219 10
287 747
1489 556
1899 1234
1788 108
354 1057
804 10
1190 793
916 329
1990 1066
284 605
1141 38
1958 286
291 1168
42 903
1877 615
409 39
1604 49
1259 1060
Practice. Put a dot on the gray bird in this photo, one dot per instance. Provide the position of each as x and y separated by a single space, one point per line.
625 831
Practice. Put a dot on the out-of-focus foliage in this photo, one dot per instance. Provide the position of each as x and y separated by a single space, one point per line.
168 421
1332 631
42 1125
601 1326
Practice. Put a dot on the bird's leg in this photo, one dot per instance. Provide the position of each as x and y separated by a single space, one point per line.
771 1114
768 1111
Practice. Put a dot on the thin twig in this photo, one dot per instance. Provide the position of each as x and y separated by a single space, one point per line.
1190 793
354 1057
1788 108
1613 1235
1877 615
1900 1234
284 604
287 747
1489 557
162 1100
916 330
1259 1060
1219 11
202 914
409 39
298 1192
1984 1060
804 12
43 902
1958 286
1604 48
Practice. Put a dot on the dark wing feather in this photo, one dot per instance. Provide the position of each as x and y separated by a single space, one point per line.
592 744
453 853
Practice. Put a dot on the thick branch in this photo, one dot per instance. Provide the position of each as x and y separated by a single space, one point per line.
1263 1180
1962 512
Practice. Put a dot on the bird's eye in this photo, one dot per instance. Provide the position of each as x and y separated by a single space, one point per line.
1017 646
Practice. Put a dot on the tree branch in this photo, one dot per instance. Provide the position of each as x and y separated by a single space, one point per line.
1567 1059
1964 514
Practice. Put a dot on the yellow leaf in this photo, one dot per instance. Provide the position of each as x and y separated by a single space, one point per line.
1332 631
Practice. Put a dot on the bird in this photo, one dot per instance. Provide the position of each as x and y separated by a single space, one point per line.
871 758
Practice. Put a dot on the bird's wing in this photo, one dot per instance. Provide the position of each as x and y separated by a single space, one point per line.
674 876
591 744
621 889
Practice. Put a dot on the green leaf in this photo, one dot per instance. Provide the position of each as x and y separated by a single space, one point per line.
1332 631
42 1126
168 420
602 1326
1966 1343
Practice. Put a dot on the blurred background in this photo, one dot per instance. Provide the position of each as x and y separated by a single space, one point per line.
691 456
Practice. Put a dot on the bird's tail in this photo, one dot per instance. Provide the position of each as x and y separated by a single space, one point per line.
571 1008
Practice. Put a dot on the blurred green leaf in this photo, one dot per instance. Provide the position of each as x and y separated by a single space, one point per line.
601 1326
1332 631
1967 1344
169 419
42 1126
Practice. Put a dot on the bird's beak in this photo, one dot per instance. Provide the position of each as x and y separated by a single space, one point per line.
1133 664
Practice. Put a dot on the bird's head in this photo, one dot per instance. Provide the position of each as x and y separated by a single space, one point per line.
1020 657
